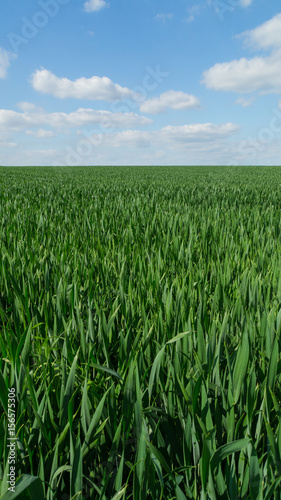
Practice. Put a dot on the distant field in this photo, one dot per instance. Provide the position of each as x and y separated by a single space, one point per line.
140 318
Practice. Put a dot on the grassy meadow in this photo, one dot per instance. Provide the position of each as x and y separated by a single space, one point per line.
140 324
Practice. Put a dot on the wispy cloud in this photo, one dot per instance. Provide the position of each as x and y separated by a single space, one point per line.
245 3
189 19
162 17
95 5
5 61
245 103
192 13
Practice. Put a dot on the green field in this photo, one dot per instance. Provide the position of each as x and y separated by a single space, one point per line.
140 317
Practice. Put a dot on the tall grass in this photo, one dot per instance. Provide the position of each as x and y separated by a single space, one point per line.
140 316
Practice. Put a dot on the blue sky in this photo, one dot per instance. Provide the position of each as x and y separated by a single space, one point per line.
136 82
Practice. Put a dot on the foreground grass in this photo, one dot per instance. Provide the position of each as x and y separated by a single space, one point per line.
140 316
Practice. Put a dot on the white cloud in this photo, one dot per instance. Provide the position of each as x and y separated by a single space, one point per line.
40 133
246 75
164 17
95 5
171 99
265 36
95 88
5 61
80 118
260 73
